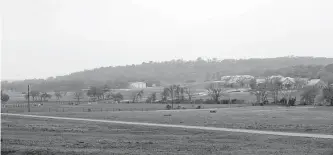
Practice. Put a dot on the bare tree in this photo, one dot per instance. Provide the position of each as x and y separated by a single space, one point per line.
179 93
274 86
134 97
45 96
151 98
78 96
58 95
260 91
34 95
169 92
328 94
106 89
189 93
309 94
108 95
137 96
117 97
215 92
95 92
165 94
26 96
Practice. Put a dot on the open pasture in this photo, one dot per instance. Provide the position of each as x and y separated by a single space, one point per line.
294 119
45 136
102 107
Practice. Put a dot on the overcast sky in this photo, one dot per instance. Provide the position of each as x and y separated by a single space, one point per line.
42 38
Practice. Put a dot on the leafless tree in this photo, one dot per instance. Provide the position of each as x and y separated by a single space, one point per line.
78 96
274 86
260 91
165 94
309 94
216 92
189 93
34 95
137 96
170 92
45 96
58 95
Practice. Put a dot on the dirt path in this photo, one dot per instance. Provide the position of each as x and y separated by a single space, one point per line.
182 126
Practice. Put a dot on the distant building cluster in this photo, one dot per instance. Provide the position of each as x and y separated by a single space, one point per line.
244 81
135 85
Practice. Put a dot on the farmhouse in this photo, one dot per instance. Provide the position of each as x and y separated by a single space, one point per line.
301 82
238 80
288 83
316 83
135 85
279 77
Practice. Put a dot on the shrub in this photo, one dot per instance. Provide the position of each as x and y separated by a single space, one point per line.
292 102
212 111
168 107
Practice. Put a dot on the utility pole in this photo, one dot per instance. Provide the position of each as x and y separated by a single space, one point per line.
28 98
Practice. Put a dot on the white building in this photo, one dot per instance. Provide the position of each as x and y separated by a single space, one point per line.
238 80
135 85
317 83
288 82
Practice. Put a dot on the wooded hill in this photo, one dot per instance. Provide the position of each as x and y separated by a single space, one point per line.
176 71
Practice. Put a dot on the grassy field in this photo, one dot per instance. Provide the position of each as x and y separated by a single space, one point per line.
83 107
128 95
38 136
294 119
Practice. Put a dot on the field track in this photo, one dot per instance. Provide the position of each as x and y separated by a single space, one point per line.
324 136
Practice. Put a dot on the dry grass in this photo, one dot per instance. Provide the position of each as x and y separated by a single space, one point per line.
309 120
83 107
37 136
